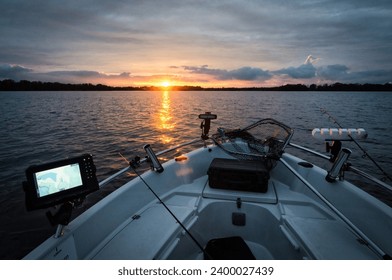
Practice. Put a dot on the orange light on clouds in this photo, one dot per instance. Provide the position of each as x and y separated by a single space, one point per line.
171 82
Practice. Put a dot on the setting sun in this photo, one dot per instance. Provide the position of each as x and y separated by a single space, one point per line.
165 84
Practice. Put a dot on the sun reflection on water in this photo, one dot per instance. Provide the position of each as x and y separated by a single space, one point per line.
165 119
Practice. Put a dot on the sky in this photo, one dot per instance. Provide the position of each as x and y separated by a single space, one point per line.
225 43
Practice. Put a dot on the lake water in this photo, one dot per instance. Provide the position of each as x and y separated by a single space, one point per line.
38 127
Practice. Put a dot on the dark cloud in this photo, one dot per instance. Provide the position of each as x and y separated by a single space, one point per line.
333 73
336 72
343 74
304 71
82 75
308 72
242 74
249 74
79 74
375 76
14 72
17 73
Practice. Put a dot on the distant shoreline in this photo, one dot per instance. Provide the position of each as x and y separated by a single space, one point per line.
10 85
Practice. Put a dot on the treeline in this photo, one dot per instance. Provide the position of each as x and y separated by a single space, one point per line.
10 85
339 87
314 87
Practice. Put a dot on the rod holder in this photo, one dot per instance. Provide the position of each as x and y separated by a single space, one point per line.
59 231
338 165
155 164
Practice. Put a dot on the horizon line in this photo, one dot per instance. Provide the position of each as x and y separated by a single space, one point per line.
25 85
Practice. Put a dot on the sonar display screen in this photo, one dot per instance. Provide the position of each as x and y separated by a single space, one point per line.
58 179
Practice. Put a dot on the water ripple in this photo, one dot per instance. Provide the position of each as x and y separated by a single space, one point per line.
44 126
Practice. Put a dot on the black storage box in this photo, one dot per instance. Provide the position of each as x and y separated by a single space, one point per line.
242 175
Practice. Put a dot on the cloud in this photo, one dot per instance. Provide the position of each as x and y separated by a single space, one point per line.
76 74
375 76
343 74
311 59
336 72
249 74
309 72
83 76
125 75
304 71
15 72
242 74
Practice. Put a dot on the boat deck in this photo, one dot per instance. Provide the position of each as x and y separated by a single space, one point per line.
301 228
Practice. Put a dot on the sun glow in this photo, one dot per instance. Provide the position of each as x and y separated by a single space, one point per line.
165 84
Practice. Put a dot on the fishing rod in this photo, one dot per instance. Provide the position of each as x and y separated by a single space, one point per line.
205 126
367 241
330 117
125 169
133 167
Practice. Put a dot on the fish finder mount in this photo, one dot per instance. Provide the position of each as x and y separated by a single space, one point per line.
63 184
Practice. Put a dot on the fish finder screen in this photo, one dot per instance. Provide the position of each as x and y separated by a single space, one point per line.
58 179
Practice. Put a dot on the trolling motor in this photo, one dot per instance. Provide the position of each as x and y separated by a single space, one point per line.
206 124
